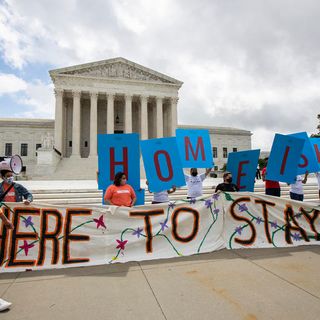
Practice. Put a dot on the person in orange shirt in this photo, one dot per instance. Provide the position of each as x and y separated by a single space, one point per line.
120 193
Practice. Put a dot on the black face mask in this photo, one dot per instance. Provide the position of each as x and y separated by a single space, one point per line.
194 173
229 180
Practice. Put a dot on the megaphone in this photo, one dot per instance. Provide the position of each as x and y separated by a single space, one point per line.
13 163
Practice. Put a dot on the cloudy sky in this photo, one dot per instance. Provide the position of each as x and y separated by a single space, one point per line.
250 64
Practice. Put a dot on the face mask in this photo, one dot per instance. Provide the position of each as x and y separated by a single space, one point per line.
229 180
9 180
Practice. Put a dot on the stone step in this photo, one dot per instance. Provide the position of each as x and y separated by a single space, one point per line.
89 199
313 187
95 201
92 196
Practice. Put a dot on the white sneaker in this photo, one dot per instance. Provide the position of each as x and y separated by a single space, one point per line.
4 305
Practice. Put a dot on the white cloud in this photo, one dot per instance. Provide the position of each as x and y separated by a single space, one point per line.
9 83
39 100
248 64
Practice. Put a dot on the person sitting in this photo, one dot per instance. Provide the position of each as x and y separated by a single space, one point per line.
194 182
296 188
161 196
120 193
227 184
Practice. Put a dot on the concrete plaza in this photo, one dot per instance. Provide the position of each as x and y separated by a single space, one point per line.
228 284
247 284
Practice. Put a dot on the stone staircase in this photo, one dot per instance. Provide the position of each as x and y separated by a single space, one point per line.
94 197
69 168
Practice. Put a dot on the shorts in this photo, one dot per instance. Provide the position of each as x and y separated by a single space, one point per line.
273 192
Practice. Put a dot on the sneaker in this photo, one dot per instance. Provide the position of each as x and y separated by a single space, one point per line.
4 305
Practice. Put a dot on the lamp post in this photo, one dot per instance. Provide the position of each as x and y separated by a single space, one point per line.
317 135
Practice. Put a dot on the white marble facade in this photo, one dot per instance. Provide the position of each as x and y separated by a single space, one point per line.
111 96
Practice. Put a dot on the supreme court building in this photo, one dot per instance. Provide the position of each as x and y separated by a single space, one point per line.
110 96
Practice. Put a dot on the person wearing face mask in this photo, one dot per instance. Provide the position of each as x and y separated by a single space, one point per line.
11 191
194 182
227 184
120 193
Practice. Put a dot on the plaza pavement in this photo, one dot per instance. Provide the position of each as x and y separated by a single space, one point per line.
242 284
247 284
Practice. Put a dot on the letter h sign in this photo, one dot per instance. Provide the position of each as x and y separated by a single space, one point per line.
118 152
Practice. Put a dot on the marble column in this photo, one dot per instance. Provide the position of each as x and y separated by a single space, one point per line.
174 115
76 124
110 113
58 123
144 117
128 114
93 123
159 113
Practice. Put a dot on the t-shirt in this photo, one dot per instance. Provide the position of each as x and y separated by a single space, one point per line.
231 187
270 183
318 177
161 196
297 186
11 195
194 185
120 196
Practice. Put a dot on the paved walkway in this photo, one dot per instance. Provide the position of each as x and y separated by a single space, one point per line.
228 284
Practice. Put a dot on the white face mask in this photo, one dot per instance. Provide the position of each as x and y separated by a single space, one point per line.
9 180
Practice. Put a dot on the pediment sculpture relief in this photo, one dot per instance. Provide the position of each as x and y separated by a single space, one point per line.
118 70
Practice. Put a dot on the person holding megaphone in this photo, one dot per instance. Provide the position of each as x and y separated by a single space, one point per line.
11 191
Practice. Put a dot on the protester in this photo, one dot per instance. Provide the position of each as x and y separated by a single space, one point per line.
161 196
296 188
272 187
318 177
258 174
227 184
11 192
194 182
120 193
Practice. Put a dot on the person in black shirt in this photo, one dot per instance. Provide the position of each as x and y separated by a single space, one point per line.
227 184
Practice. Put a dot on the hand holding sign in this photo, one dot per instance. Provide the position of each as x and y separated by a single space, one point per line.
194 148
162 163
118 152
308 161
284 158
243 166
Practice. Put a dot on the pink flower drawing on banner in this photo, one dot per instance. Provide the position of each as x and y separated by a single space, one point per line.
121 244
26 247
100 222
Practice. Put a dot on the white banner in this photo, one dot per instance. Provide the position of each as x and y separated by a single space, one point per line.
58 237
47 237
259 221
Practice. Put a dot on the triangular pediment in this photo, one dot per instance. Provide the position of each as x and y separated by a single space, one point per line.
118 68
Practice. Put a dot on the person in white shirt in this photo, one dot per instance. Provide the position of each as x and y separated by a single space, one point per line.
194 182
296 189
318 177
161 196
